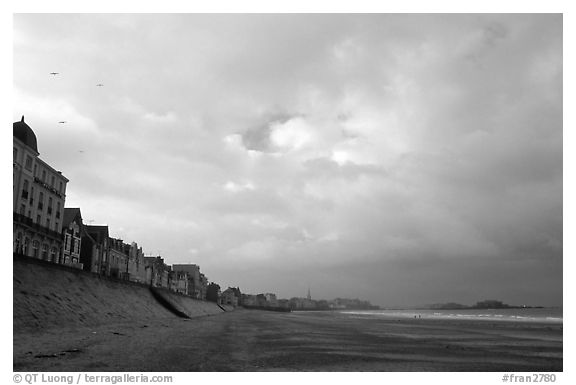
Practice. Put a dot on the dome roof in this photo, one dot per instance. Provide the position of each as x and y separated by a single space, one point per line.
23 132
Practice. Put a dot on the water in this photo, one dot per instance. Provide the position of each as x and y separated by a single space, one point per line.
545 315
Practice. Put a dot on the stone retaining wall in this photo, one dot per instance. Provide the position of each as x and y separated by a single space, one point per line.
54 296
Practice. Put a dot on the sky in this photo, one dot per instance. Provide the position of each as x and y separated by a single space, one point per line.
404 159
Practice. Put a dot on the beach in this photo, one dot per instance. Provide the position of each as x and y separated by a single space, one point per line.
253 340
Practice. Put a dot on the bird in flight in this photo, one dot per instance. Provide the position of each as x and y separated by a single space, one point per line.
62 122
54 73
99 85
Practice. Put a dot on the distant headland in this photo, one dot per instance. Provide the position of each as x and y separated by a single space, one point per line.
486 304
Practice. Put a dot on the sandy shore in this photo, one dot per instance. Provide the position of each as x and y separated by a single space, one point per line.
253 340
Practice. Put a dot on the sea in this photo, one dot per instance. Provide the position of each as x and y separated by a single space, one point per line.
543 315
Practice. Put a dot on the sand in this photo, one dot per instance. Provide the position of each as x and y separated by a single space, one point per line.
254 340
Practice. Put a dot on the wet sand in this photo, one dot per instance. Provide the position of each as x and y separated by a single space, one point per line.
254 340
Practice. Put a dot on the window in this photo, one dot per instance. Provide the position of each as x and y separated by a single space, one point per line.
25 189
53 255
28 164
15 155
58 209
38 219
32 195
18 243
60 187
77 246
49 205
56 227
22 209
25 247
35 246
35 169
52 180
67 242
48 223
45 251
41 201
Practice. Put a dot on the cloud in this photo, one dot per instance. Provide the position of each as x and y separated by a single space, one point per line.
235 187
414 155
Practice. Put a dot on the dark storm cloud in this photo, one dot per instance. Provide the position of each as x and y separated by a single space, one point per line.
404 158
257 138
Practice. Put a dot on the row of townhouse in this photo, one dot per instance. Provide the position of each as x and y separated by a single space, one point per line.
44 229
263 300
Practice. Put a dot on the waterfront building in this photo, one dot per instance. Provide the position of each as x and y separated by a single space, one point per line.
228 297
284 303
271 299
302 303
118 258
198 282
95 249
179 282
203 287
249 300
157 272
136 266
72 229
39 193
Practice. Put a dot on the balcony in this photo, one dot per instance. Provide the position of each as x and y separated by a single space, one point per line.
24 220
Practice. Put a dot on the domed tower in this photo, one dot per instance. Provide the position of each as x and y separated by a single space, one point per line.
23 132
39 192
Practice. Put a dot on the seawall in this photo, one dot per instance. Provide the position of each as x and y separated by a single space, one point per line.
47 296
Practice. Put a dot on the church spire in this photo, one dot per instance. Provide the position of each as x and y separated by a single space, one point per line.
309 296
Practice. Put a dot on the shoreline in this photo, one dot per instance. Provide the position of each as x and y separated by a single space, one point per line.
430 314
253 340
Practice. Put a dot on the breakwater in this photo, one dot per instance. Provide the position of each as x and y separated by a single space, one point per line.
47 296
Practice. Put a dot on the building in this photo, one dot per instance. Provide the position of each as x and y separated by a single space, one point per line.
284 303
95 249
271 299
203 289
118 258
198 281
157 272
136 266
72 229
302 303
179 282
249 300
38 193
228 297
